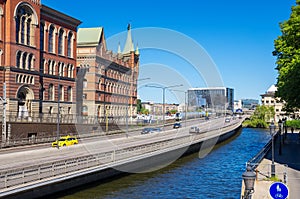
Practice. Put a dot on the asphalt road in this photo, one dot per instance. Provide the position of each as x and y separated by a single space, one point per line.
20 157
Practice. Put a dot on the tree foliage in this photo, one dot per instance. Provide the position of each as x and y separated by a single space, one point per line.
287 51
293 123
261 116
138 105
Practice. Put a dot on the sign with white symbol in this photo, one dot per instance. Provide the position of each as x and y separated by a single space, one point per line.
278 190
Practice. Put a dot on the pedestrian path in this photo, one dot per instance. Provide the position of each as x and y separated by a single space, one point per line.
287 167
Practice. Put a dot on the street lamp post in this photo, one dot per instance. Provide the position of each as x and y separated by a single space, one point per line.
249 179
128 101
164 93
280 130
185 104
272 132
58 110
106 123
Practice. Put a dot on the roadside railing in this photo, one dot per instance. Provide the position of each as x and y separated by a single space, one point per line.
253 162
13 177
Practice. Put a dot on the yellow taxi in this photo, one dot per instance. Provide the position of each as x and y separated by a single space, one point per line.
65 141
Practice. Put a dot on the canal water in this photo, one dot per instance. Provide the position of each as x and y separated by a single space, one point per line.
218 175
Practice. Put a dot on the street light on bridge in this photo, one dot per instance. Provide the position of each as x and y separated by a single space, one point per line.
164 93
272 133
128 101
185 104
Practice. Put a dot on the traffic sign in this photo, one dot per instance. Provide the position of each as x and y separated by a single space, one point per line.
278 190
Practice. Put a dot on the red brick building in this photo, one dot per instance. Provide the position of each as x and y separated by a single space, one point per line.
37 59
110 79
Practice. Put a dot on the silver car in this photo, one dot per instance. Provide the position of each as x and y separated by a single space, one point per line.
194 129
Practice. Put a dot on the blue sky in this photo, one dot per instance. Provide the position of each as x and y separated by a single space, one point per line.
237 35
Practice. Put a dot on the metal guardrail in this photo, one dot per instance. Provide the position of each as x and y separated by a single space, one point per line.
253 162
19 176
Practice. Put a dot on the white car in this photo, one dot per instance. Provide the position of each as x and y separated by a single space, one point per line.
194 129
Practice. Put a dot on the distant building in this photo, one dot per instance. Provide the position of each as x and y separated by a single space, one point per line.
109 79
157 108
269 99
249 103
237 104
219 98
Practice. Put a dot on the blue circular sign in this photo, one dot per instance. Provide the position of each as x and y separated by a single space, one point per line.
278 190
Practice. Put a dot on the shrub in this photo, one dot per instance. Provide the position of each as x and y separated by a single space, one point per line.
293 123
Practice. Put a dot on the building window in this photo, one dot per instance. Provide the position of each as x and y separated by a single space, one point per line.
84 96
30 62
25 18
61 42
51 39
18 59
24 60
69 94
51 92
61 92
42 29
70 45
28 31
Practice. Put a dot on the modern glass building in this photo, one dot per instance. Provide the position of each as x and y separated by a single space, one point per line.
211 98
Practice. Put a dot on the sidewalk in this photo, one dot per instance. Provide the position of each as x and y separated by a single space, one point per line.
287 163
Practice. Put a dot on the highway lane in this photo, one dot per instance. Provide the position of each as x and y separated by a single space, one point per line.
95 136
99 144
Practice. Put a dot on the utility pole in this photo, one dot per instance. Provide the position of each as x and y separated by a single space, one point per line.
4 113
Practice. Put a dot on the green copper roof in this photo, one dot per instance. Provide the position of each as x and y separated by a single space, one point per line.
89 36
128 45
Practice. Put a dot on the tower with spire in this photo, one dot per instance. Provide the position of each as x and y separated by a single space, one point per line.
112 77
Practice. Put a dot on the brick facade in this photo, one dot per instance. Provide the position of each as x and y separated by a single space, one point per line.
37 57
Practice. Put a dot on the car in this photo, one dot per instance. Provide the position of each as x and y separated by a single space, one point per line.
227 120
194 129
65 141
176 125
150 130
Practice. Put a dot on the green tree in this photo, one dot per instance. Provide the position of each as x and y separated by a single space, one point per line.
173 111
139 105
287 51
261 116
144 111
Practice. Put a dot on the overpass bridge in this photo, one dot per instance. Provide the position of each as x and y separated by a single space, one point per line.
36 173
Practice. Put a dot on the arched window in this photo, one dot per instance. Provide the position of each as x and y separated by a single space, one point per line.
25 17
24 60
54 70
42 39
61 42
70 45
22 29
49 68
51 39
51 92
18 59
61 67
28 31
30 61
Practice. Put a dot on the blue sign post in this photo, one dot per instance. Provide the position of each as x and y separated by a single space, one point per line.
278 190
